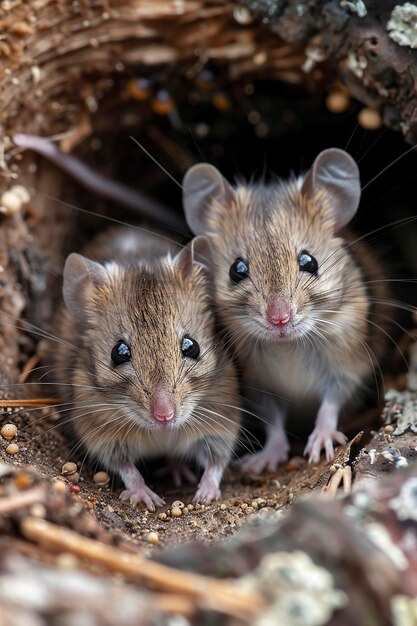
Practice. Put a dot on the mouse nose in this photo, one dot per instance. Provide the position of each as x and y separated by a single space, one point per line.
279 312
162 406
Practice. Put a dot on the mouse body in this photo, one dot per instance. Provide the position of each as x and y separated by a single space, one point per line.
140 364
301 298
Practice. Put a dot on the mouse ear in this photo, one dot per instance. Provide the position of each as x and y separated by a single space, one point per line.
202 185
335 173
80 276
196 253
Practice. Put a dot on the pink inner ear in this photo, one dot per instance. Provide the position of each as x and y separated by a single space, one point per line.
162 406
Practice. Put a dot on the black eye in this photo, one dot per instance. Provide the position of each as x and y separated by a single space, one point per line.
239 270
307 263
120 353
190 348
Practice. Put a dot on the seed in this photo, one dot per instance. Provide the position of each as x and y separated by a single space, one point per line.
101 478
59 486
162 516
254 504
176 511
190 507
178 504
12 448
389 429
68 469
185 510
249 510
223 507
163 104
244 505
370 119
153 538
337 101
8 431
74 489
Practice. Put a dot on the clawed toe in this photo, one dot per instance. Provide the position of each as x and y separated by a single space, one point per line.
145 495
319 441
263 461
206 493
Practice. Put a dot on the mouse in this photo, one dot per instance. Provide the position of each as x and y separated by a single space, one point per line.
301 298
139 362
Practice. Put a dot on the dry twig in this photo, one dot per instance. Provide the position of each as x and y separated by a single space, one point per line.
222 596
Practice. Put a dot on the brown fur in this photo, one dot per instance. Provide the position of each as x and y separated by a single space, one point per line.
152 305
269 226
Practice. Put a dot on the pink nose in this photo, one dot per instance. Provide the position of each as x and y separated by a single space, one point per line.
162 406
279 312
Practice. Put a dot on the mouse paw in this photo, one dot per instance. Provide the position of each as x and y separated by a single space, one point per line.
142 494
323 439
207 492
180 472
266 460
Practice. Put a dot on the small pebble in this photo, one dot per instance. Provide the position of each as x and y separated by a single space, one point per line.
152 538
162 516
12 448
178 504
389 428
176 511
101 478
68 469
8 431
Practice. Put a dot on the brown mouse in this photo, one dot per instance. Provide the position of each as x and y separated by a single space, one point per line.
140 362
300 296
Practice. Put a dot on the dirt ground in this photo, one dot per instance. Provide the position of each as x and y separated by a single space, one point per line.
42 446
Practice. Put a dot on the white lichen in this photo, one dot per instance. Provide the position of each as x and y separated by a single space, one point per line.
300 593
404 611
402 25
356 64
405 504
356 6
380 537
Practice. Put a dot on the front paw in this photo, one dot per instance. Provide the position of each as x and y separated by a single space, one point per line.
322 439
207 492
266 460
142 494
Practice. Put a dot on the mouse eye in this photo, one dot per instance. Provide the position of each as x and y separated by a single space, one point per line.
190 348
307 263
120 353
239 270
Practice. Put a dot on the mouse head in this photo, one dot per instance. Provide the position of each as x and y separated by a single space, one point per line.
147 333
280 262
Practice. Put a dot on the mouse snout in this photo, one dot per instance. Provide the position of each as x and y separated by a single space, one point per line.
279 312
162 405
